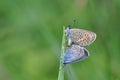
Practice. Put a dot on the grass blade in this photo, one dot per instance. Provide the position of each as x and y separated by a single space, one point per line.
61 67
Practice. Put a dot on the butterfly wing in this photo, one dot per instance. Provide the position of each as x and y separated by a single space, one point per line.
75 53
81 37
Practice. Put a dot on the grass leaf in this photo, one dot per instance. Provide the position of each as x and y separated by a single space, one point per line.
61 67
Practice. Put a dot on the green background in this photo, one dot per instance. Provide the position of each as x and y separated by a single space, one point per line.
31 36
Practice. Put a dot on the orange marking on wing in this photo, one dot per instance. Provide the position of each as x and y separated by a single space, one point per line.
84 40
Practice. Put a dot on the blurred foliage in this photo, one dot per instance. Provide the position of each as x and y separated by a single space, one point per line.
31 32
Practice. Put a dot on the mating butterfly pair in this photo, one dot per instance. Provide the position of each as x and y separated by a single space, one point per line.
77 40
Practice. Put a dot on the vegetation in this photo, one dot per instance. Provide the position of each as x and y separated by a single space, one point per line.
31 34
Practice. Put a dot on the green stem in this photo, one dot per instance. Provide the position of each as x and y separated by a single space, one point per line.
61 67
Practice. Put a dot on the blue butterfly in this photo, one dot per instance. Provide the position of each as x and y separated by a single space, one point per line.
75 53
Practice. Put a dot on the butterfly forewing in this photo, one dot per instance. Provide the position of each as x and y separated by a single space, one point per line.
81 37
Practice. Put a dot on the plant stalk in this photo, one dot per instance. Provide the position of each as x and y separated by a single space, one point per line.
61 67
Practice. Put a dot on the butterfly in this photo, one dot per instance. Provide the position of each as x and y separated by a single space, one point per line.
75 53
80 36
77 40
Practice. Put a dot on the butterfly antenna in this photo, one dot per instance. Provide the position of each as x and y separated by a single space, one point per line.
73 23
